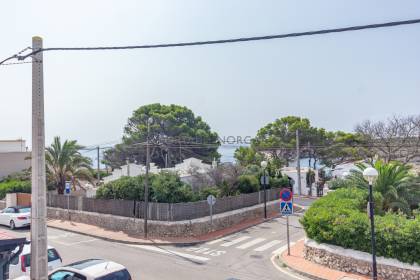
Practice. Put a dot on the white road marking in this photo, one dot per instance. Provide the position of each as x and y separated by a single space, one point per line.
267 246
235 241
215 241
170 252
286 271
282 248
251 243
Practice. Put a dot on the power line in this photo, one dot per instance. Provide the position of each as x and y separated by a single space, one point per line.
224 41
14 63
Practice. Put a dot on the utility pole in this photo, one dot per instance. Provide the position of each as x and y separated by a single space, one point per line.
298 163
146 179
99 168
39 261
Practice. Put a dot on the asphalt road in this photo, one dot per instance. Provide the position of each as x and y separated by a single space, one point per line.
245 255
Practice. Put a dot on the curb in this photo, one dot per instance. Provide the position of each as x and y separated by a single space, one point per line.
285 269
294 270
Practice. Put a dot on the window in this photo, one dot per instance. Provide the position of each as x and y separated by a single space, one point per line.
52 256
118 275
10 210
66 275
24 210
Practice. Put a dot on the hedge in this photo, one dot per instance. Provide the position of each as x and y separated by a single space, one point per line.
340 219
13 186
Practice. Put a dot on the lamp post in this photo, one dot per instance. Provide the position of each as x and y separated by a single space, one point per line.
264 182
146 179
370 174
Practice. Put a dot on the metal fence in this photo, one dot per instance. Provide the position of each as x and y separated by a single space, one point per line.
160 211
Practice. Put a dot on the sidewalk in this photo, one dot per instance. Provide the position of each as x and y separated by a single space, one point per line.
297 263
120 236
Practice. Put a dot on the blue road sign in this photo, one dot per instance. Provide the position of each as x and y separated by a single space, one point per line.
67 188
286 195
286 208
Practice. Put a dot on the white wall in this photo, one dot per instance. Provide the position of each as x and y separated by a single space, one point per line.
10 146
292 173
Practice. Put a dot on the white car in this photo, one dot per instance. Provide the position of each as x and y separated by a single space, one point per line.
16 217
22 264
91 269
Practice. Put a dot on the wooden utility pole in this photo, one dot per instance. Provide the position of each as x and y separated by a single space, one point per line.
39 260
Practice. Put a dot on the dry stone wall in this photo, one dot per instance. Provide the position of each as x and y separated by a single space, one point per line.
349 260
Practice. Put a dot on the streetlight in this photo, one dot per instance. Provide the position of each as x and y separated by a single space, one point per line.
146 179
264 181
370 174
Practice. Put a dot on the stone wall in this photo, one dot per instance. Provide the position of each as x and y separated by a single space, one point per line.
349 260
192 227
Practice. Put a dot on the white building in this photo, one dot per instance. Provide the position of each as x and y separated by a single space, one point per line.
14 157
291 172
13 146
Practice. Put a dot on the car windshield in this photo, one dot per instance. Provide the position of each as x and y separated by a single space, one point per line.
118 275
24 210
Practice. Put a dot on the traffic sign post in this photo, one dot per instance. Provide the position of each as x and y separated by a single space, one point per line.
211 200
67 191
286 209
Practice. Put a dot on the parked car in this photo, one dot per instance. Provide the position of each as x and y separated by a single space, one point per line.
22 265
91 269
16 217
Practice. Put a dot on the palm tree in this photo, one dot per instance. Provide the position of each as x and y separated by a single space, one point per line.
65 163
400 190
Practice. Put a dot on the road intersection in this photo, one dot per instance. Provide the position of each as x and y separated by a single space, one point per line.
244 255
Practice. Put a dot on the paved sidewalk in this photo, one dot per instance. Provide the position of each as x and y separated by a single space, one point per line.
120 236
297 263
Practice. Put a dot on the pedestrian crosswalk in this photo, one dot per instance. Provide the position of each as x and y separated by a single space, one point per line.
251 243
235 241
268 245
256 244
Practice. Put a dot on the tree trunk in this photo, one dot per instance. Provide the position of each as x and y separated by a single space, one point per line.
61 185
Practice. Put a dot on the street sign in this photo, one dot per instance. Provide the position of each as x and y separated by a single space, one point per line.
264 180
211 200
67 188
286 208
286 195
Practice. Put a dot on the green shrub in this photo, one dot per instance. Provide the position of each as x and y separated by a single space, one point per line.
130 188
164 187
279 182
168 187
340 218
13 186
205 192
248 184
339 183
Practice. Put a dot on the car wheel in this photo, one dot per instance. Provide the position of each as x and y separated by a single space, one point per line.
12 224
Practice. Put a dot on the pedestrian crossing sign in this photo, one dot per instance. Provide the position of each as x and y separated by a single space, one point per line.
286 208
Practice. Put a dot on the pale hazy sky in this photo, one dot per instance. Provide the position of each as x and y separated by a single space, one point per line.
335 80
